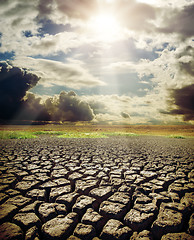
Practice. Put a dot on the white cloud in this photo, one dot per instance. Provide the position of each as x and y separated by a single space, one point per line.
47 45
16 17
165 69
72 75
172 70
51 44
141 110
20 16
140 18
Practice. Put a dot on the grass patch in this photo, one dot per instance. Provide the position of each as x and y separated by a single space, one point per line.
61 134
5 134
16 135
177 136
123 134
82 135
53 133
95 134
77 134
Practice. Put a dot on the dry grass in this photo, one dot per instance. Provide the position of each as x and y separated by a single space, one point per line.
157 130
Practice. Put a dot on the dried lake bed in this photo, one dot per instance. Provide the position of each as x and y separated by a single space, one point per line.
110 188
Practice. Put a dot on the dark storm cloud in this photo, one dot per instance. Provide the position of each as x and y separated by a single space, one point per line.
16 103
69 107
31 108
183 100
14 83
180 21
125 115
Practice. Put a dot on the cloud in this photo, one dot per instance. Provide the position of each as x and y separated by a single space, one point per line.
53 44
109 107
179 21
172 69
141 110
69 107
17 103
72 75
165 17
78 9
97 106
14 83
136 16
18 16
182 102
186 61
170 3
159 27
25 16
45 45
32 108
125 115
45 7
66 106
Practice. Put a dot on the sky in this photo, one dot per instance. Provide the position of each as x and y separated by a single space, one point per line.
103 61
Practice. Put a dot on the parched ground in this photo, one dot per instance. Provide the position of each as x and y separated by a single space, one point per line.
156 130
116 188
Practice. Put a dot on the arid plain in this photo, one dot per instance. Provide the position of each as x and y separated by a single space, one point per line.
121 187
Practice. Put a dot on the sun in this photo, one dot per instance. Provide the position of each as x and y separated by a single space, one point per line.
104 27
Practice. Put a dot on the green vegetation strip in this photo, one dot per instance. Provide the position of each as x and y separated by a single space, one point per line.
60 134
123 134
176 136
48 133
83 135
94 134
71 134
16 135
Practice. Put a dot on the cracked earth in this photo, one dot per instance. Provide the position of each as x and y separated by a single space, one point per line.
116 188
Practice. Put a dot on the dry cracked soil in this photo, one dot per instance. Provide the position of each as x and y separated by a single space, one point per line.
131 188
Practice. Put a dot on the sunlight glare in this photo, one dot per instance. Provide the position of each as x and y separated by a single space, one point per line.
109 1
148 1
105 27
